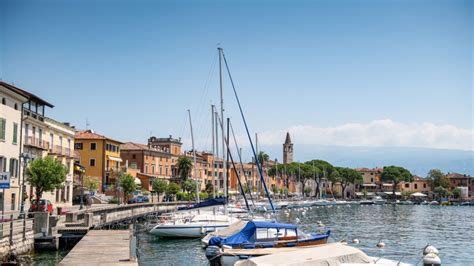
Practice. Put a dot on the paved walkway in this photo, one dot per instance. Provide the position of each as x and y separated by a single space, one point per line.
101 247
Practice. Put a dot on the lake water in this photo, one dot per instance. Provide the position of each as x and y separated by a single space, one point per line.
404 229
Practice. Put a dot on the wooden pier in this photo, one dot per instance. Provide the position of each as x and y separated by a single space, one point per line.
103 247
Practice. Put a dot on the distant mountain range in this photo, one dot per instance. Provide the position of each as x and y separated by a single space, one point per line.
418 160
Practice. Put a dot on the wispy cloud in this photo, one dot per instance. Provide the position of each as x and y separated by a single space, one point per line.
377 133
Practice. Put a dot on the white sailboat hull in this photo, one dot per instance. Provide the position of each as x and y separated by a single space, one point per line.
193 230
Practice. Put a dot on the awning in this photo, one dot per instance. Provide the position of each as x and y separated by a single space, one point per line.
113 158
369 185
391 193
387 184
418 194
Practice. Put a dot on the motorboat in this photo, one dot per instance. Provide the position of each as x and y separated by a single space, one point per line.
328 254
194 226
259 238
379 200
366 202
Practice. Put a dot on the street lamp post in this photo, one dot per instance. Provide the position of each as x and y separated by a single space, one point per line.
82 190
25 157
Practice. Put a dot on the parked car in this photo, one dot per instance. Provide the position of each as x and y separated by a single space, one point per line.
44 206
139 199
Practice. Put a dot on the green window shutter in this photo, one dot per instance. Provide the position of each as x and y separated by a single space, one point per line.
2 128
15 133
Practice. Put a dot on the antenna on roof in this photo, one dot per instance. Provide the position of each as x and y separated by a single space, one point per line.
87 123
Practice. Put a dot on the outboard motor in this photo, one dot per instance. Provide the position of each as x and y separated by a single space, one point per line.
214 254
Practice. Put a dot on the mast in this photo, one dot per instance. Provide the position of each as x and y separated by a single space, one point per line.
222 125
218 182
227 157
213 155
194 157
256 159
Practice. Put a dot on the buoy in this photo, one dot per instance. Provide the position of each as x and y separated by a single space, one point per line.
380 244
343 241
355 241
297 220
430 249
431 259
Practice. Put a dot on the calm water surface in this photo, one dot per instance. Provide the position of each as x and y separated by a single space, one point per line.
404 229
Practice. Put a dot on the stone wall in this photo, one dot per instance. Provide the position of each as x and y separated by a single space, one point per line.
18 239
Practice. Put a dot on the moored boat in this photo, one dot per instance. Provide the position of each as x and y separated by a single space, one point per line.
258 239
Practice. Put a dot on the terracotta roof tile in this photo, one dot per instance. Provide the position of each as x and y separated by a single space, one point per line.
89 134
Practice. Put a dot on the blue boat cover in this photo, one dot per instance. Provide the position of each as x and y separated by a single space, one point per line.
247 234
207 203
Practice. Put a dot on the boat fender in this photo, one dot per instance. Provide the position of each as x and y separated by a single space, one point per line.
430 249
431 259
380 244
355 241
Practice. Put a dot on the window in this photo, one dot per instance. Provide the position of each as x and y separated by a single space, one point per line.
61 141
40 132
15 133
134 156
424 185
4 101
407 185
51 140
93 146
69 144
2 128
416 186
91 162
3 164
16 106
78 146
107 164
153 169
146 168
133 165
13 167
27 128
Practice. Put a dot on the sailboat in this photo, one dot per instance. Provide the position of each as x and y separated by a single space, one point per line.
258 238
193 225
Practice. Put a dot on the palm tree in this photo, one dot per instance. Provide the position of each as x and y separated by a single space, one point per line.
185 166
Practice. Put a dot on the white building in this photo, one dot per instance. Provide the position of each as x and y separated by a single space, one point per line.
10 128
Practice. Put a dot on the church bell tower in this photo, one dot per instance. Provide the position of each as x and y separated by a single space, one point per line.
287 149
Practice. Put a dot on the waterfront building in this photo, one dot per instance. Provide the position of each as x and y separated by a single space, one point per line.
100 156
371 181
146 162
418 184
464 182
10 143
61 147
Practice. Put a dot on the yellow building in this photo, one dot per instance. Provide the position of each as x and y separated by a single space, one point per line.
100 157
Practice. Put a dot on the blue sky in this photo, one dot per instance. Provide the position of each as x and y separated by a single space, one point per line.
134 67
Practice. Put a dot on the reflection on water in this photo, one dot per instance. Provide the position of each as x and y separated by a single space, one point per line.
404 229
47 258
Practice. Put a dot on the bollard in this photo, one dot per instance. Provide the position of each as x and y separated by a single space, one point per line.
11 229
24 228
132 254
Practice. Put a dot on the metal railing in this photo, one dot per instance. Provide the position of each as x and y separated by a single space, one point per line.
60 150
14 227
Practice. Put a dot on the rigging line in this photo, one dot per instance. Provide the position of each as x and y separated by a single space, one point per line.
229 154
241 164
259 166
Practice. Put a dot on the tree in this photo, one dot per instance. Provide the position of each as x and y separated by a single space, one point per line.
209 188
436 178
91 183
441 192
395 175
456 193
263 158
172 189
45 174
159 186
189 186
128 185
322 170
185 166
348 176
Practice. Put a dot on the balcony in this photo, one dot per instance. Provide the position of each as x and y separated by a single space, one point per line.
37 143
60 151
